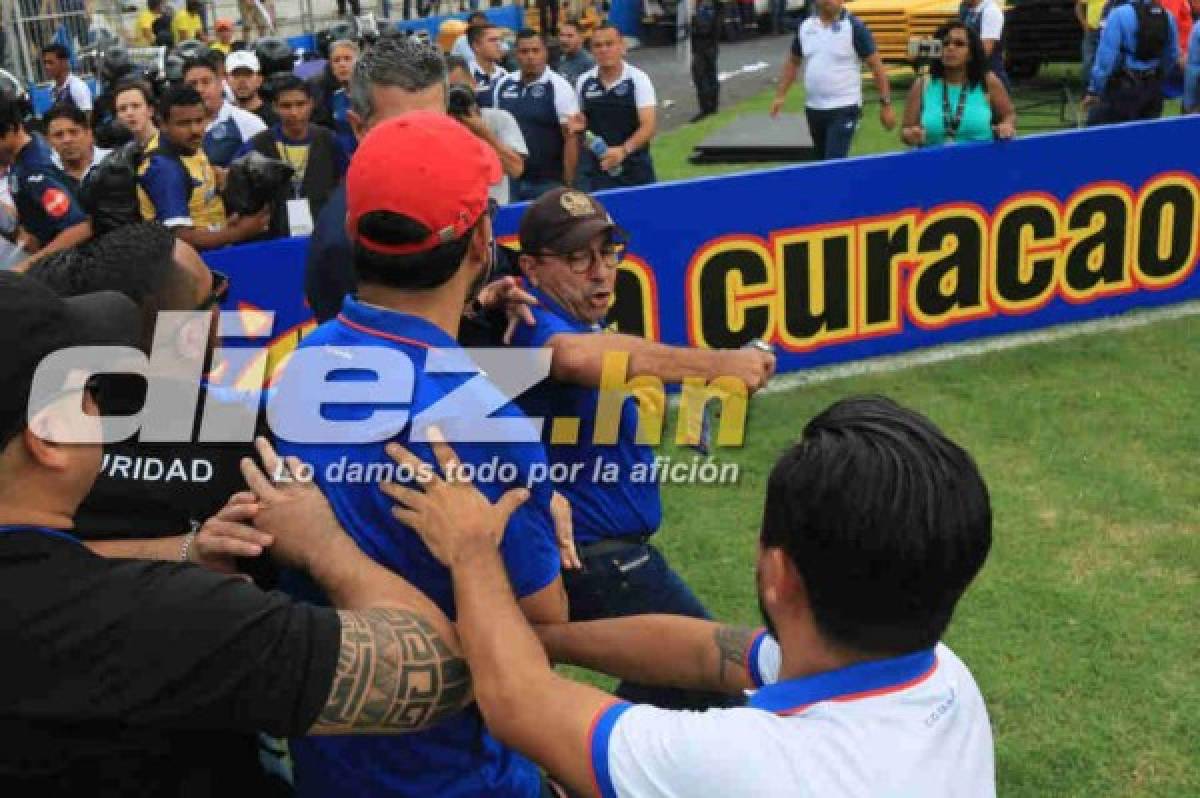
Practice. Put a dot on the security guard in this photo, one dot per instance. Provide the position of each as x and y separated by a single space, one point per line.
543 103
177 186
570 251
621 108
706 37
1139 46
47 207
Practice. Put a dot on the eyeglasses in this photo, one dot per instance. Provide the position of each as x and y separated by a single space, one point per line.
954 43
220 289
581 262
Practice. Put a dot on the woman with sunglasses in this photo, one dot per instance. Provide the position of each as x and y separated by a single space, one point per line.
960 99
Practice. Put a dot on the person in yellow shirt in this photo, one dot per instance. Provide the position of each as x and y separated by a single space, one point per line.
224 36
177 186
143 34
1090 14
188 24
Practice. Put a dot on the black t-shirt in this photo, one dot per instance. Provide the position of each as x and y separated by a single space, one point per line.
154 490
103 656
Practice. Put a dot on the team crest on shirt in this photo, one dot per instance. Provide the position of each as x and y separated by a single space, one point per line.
622 89
56 203
538 90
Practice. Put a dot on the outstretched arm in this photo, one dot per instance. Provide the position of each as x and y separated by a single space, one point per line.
666 650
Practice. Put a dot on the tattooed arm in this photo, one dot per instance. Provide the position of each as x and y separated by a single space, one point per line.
400 666
395 673
666 650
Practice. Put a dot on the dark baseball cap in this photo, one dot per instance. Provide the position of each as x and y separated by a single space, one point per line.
35 321
563 220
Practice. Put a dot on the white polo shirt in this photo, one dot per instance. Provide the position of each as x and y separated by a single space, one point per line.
833 57
76 90
914 725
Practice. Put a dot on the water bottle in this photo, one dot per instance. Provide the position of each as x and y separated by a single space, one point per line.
599 147
711 417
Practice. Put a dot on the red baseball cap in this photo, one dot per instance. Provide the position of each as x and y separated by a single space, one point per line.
423 165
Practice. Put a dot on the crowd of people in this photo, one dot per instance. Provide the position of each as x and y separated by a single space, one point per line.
176 600
586 121
406 647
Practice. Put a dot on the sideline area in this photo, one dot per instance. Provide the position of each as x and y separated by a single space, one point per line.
1081 627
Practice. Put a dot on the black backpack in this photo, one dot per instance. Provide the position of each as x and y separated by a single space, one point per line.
1153 29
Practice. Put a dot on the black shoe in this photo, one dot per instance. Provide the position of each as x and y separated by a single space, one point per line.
699 116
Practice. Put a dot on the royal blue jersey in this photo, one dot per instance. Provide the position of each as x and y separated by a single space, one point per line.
601 508
541 108
458 757
46 203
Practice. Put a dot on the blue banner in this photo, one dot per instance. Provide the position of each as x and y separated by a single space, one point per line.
840 261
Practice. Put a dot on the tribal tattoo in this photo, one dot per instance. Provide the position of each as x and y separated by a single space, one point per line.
733 645
394 673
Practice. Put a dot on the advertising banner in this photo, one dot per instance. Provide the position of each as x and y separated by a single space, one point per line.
840 261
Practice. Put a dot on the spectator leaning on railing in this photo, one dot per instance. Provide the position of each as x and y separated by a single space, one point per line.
960 100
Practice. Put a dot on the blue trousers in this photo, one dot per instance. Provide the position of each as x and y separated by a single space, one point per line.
833 130
1091 38
634 581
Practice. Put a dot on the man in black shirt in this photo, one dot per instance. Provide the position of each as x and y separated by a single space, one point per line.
148 497
97 650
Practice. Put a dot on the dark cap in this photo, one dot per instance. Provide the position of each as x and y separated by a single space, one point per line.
563 220
34 322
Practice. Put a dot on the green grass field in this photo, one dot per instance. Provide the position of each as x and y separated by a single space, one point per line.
1082 628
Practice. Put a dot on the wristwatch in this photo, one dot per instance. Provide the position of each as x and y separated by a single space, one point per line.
885 100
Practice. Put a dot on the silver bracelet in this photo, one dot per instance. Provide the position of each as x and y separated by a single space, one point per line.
186 550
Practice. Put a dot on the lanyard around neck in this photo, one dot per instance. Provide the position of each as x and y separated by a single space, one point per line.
951 123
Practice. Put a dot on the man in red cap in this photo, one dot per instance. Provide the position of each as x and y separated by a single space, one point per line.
421 247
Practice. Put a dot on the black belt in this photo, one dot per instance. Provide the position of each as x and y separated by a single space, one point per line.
600 548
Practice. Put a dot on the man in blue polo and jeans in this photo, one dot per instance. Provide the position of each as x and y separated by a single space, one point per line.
832 43
421 246
570 249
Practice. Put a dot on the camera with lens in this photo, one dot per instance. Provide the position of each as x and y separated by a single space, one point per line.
461 101
924 50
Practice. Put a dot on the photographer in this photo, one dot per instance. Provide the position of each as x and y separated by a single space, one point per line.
496 127
312 151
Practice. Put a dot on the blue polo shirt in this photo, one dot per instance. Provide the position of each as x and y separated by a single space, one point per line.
1118 45
46 204
600 509
457 758
541 108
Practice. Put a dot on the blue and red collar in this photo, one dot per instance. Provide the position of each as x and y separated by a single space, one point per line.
865 680
394 326
551 306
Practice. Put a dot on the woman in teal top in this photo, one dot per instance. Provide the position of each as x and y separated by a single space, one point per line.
960 100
